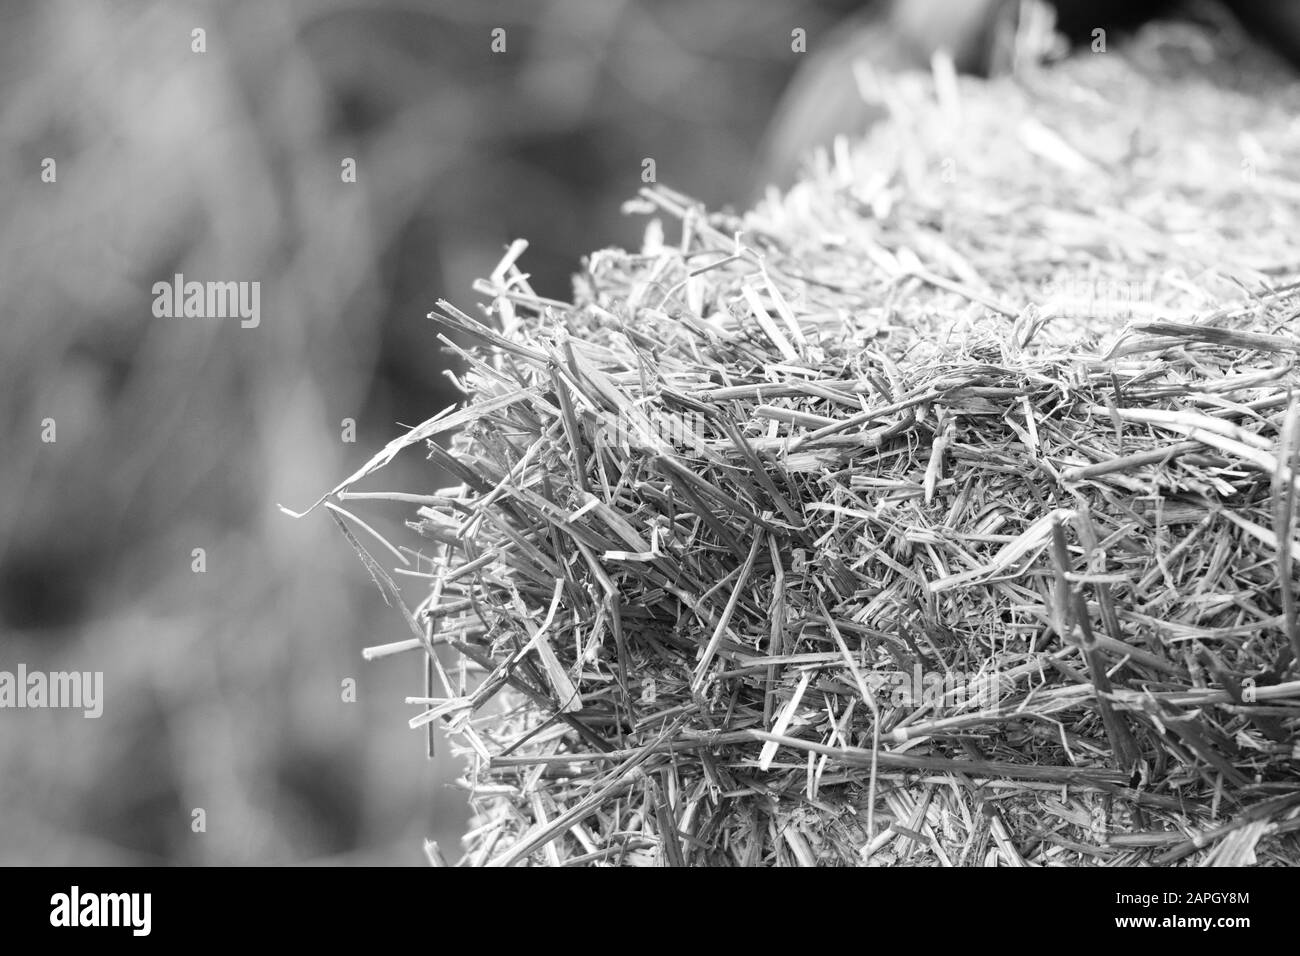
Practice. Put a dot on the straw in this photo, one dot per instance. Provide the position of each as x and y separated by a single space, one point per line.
908 518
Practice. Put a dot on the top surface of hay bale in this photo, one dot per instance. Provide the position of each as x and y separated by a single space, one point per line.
928 514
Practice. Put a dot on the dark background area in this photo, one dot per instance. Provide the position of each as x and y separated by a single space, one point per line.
222 688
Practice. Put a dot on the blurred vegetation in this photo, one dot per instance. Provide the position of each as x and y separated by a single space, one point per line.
223 688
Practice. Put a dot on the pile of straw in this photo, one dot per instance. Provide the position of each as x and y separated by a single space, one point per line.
938 512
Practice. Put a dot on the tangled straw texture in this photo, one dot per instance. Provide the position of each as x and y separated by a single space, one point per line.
937 512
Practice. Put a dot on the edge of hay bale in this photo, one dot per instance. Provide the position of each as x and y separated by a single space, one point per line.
928 514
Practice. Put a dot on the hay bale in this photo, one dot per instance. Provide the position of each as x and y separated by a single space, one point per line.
929 513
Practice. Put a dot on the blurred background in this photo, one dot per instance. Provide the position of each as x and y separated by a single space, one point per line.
223 688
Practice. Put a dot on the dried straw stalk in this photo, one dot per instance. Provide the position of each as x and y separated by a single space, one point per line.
713 510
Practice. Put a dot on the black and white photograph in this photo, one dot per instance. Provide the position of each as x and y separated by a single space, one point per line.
611 434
